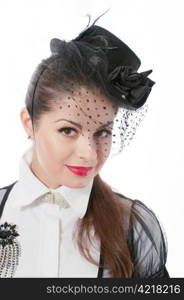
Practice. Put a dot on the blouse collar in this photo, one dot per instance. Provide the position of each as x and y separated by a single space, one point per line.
32 188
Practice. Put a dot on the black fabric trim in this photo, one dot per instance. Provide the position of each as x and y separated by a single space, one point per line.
8 189
162 273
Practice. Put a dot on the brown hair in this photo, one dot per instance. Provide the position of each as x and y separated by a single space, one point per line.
109 217
107 214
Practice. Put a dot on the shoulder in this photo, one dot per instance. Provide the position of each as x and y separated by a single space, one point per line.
3 191
7 187
6 190
149 243
147 240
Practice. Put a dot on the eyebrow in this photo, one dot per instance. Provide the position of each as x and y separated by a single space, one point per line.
80 126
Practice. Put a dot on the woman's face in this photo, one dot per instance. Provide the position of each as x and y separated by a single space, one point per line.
78 132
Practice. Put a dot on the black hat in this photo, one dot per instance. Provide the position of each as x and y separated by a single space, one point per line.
125 83
119 54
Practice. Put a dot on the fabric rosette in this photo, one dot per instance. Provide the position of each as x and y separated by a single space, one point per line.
133 87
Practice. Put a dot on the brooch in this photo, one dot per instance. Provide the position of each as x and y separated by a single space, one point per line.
9 250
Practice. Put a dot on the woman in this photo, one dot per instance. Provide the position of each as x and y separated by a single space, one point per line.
60 219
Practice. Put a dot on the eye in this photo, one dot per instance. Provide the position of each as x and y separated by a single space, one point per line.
103 133
68 130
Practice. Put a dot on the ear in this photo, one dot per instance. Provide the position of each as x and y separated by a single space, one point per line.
26 122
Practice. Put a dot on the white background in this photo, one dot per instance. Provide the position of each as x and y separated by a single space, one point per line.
151 167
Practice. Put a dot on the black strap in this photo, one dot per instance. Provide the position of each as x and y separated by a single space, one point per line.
2 204
100 269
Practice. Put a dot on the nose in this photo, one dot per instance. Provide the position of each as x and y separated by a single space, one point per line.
86 149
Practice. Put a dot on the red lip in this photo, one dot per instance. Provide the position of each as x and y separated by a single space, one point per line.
81 171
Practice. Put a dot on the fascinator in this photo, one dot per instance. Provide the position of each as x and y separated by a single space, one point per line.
115 66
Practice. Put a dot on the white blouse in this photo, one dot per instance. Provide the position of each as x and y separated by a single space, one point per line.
45 220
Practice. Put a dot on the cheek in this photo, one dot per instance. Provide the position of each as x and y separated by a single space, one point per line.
53 149
104 150
46 144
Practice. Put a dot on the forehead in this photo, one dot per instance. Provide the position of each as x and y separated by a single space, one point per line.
84 105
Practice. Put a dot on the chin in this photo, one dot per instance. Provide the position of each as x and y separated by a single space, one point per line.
80 183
